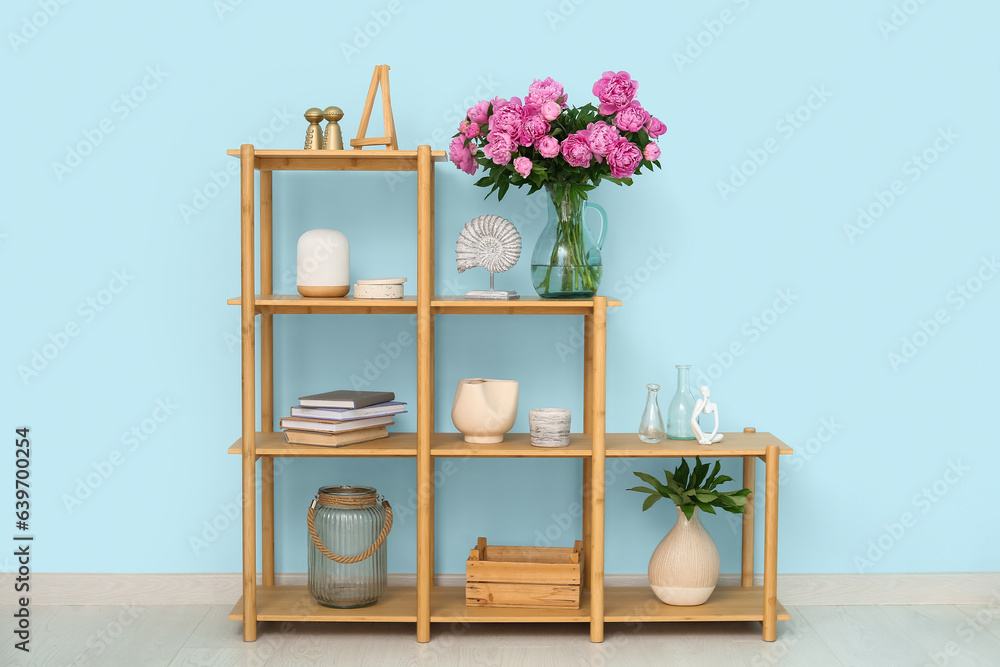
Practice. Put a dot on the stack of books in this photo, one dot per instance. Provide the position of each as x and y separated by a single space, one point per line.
343 417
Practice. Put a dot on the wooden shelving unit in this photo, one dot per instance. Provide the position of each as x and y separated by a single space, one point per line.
425 603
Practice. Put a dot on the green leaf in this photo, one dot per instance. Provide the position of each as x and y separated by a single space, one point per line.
484 181
705 507
643 489
650 501
705 497
700 470
652 481
504 186
681 474
688 511
710 482
676 499
723 479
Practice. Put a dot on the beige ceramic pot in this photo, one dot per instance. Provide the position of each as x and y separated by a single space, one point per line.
684 568
484 409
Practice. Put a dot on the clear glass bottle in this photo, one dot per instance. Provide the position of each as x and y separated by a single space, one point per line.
348 520
681 407
651 424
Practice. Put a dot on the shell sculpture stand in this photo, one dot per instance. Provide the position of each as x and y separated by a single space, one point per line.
493 243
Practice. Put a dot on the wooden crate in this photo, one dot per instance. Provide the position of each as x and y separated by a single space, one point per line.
531 577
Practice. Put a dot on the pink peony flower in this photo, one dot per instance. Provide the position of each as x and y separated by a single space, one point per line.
479 112
615 91
522 165
548 90
533 127
550 110
471 130
654 127
508 117
602 137
624 158
500 147
576 150
632 117
463 156
651 151
547 146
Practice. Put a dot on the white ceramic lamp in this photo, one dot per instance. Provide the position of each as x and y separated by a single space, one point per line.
324 263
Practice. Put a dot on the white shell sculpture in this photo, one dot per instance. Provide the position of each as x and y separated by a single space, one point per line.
488 241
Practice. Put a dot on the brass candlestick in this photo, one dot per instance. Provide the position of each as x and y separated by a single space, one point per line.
333 139
314 135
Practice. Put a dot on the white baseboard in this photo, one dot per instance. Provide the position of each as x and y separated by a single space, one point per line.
793 589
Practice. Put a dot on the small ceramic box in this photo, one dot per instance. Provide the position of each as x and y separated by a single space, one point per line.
379 288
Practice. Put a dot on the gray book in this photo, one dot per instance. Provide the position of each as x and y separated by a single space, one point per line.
346 398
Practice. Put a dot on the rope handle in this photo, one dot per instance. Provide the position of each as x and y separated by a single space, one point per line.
347 560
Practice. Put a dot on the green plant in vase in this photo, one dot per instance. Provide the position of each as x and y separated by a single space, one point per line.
693 489
542 142
684 567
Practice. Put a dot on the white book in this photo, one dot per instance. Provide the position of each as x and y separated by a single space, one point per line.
343 414
323 426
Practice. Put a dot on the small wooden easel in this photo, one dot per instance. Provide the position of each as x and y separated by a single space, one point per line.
381 76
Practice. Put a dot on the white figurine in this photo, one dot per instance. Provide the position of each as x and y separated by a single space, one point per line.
704 405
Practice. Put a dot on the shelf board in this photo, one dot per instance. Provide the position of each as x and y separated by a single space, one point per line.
440 305
295 304
294 603
347 160
514 445
273 444
526 305
518 445
636 604
448 606
734 444
625 604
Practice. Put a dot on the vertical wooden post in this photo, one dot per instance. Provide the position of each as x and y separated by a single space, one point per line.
596 557
388 123
588 427
266 379
771 544
749 465
433 340
249 396
425 393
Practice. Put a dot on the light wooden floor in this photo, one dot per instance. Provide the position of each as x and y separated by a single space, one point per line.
816 636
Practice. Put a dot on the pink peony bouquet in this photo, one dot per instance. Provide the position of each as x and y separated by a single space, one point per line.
541 141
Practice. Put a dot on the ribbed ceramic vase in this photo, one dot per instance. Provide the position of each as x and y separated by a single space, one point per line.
684 568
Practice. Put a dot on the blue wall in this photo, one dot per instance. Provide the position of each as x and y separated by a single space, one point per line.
133 247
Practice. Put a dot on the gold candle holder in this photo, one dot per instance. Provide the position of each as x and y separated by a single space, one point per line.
333 139
314 135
